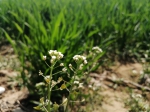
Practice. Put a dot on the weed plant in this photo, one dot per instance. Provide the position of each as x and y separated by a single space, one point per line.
137 103
145 73
73 87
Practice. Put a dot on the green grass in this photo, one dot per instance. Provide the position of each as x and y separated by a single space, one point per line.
33 27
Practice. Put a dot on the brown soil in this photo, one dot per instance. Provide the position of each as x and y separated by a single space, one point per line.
117 95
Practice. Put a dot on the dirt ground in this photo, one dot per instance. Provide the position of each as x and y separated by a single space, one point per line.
113 95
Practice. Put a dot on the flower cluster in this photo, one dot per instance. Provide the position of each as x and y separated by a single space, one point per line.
80 59
55 55
97 49
75 80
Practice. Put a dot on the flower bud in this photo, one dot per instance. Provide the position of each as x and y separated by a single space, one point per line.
53 57
81 67
40 73
70 65
50 52
61 64
47 79
80 85
97 49
44 58
40 84
64 69
85 62
76 82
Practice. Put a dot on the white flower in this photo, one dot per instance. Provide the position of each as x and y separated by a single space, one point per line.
61 64
86 73
138 96
81 67
2 89
52 61
84 58
80 58
40 73
47 77
53 57
80 85
134 72
76 57
90 86
76 82
60 54
64 69
76 77
50 52
146 55
97 49
55 53
44 58
85 62
141 72
53 83
40 84
70 65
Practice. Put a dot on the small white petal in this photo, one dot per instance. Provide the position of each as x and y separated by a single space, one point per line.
50 52
64 69
84 58
61 64
70 65
85 61
53 57
134 72
76 82
80 85
55 52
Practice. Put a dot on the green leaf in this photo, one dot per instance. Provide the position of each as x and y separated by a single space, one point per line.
18 27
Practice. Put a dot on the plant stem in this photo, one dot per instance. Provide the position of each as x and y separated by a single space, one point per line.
49 88
70 93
